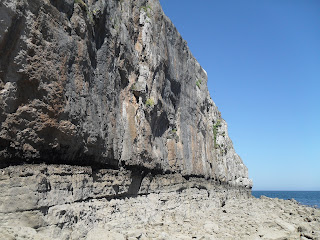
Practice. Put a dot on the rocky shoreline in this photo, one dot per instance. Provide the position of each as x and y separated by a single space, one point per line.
41 201
108 131
189 214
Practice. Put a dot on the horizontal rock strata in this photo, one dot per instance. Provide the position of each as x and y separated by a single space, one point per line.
190 214
30 192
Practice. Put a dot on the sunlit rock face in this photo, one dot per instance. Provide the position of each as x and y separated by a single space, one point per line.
108 83
103 99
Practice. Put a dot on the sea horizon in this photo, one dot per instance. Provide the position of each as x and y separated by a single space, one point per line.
285 190
308 198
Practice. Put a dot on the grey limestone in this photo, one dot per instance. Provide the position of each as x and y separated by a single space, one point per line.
108 83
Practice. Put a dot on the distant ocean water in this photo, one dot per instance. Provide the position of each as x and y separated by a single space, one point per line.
310 198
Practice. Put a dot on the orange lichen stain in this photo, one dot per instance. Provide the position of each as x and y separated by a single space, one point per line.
196 155
138 47
62 75
132 77
78 80
199 159
131 112
193 144
46 121
172 156
132 80
58 101
140 37
179 154
209 152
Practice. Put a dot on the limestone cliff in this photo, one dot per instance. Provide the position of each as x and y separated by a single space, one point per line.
108 83
103 99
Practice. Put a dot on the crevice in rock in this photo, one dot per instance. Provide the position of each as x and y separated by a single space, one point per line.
92 55
43 209
124 78
65 6
135 185
143 170
159 124
100 32
83 162
180 190
187 177
8 44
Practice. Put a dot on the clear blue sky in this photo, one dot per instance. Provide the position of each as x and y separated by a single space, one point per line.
263 65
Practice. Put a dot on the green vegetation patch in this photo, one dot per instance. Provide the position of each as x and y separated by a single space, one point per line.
149 102
147 9
198 83
215 132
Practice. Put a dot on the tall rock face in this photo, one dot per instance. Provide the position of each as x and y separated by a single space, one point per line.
102 99
107 85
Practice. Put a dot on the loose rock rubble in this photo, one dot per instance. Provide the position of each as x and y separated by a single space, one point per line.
191 214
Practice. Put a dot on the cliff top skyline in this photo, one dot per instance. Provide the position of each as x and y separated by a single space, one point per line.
263 65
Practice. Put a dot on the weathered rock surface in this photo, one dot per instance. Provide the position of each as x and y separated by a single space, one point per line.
39 187
109 83
190 214
103 100
63 201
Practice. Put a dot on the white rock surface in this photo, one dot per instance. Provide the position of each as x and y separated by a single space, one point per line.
190 214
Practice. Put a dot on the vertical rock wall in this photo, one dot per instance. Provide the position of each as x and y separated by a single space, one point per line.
109 84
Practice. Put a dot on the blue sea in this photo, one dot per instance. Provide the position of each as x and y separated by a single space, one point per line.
310 198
